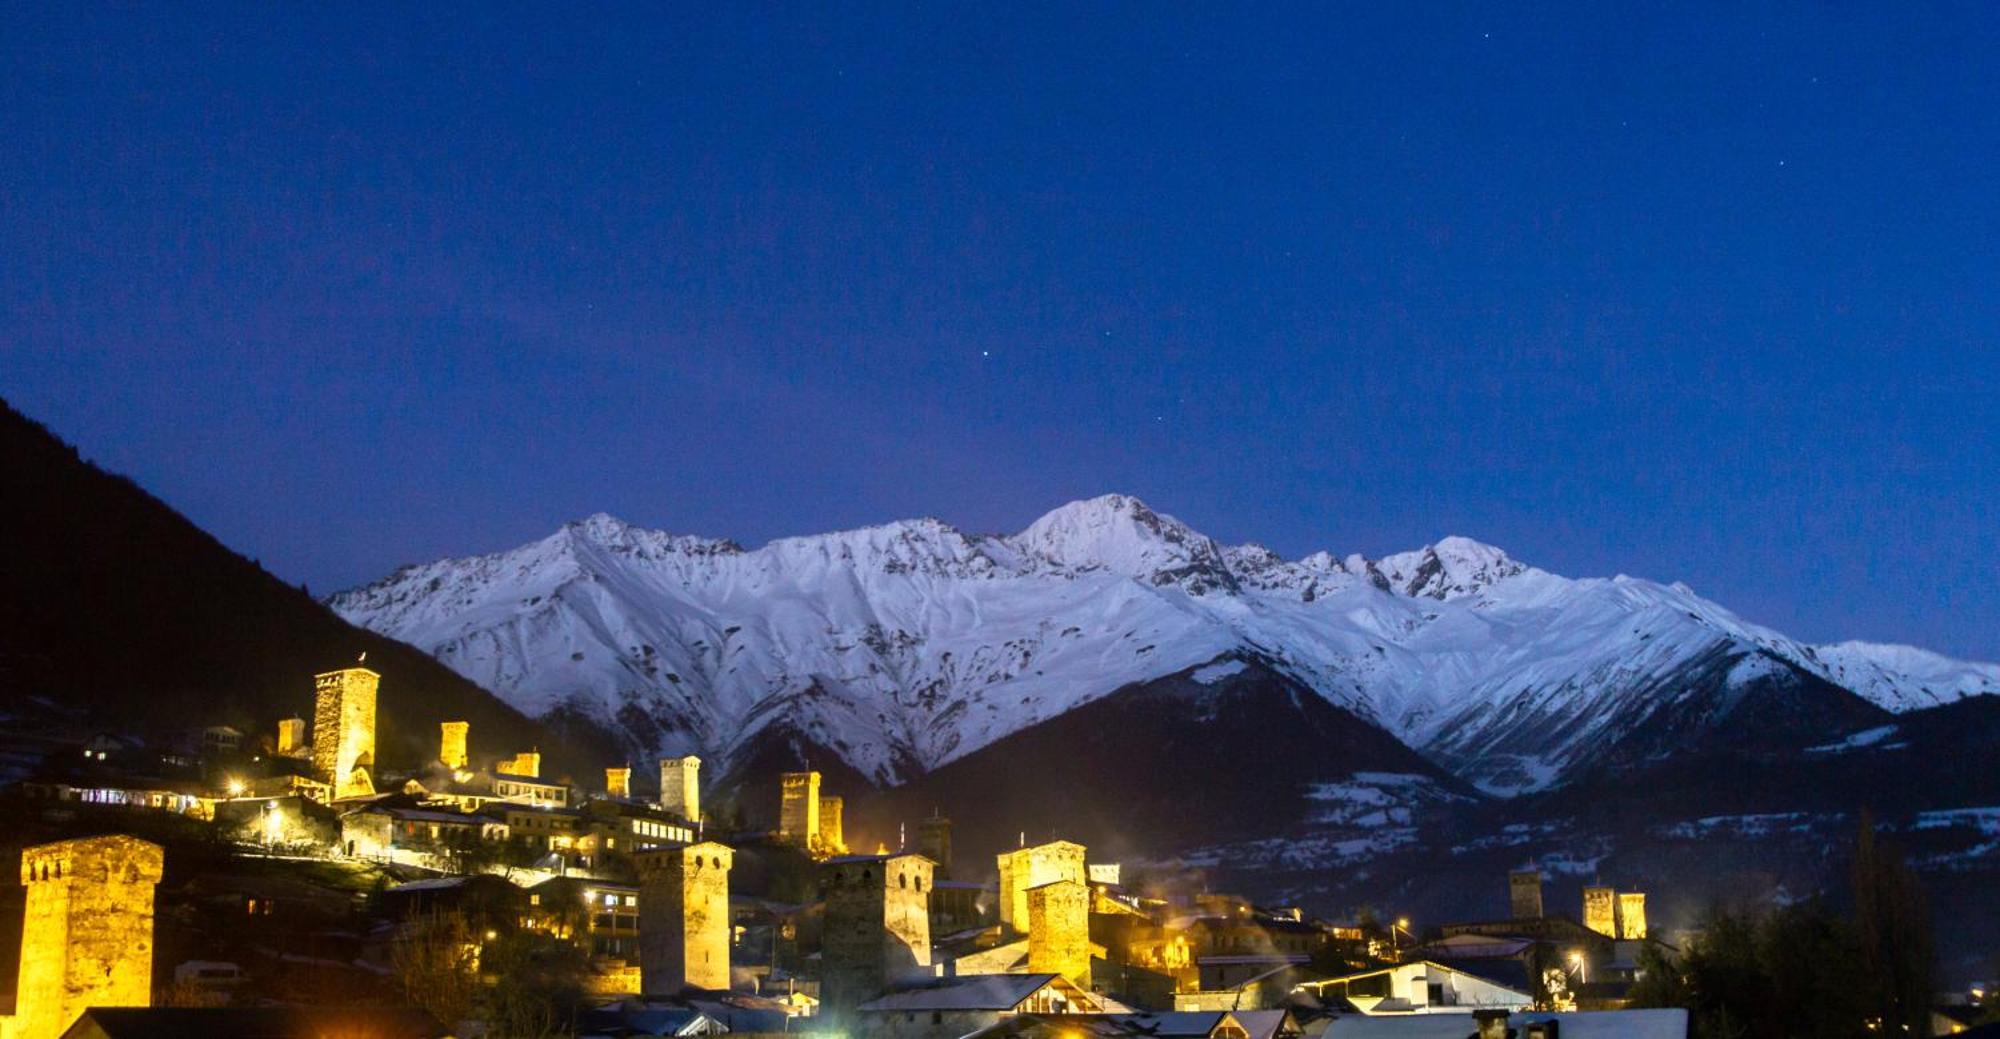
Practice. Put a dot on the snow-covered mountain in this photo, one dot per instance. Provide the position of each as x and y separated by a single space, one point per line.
906 646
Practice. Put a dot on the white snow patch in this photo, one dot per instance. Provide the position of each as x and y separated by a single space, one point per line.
1214 673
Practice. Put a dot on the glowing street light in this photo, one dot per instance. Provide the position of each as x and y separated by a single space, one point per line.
236 788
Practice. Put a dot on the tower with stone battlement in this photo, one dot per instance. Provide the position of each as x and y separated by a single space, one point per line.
452 744
1524 894
1031 867
684 917
1600 910
1059 931
87 933
343 738
798 810
680 787
877 927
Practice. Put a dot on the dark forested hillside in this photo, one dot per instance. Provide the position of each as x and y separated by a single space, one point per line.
115 606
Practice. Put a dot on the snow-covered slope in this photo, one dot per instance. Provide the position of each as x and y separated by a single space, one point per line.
905 646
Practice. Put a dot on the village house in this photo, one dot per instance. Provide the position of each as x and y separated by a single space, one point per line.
1415 987
952 1007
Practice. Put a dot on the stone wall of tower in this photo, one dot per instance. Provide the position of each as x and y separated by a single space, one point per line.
87 934
1059 931
1600 910
684 917
1524 890
798 809
527 764
1026 868
832 838
876 930
451 744
1631 915
343 738
292 737
680 787
618 782
934 843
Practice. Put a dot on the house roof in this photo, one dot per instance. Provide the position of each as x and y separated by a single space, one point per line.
1598 1024
252 1023
975 992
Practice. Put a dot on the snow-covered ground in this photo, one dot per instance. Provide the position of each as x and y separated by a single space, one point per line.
913 643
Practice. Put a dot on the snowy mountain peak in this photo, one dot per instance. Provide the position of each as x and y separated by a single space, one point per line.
904 646
1452 567
1120 534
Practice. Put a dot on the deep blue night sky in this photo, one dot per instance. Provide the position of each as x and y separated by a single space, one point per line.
1700 295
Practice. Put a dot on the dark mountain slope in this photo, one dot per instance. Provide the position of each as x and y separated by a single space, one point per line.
1156 767
113 604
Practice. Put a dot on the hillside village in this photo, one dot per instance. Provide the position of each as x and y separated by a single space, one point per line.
286 873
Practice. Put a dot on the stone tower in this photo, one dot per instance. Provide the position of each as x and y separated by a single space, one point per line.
1025 868
1631 915
451 744
798 810
877 928
1524 886
292 738
831 837
527 764
1600 910
343 747
934 842
87 935
684 917
618 782
1059 931
680 787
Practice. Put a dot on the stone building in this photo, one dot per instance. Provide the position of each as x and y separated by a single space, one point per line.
1600 910
1025 868
684 918
527 765
343 738
1631 915
618 782
798 810
86 934
680 787
832 836
1059 931
876 930
1524 890
452 744
934 842
292 738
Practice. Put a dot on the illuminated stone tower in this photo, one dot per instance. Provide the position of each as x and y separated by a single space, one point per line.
798 810
292 738
877 928
344 729
1600 910
1524 888
618 782
1059 931
934 842
1631 915
1025 868
684 917
680 787
527 764
87 935
451 744
831 838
